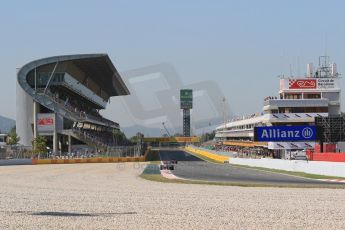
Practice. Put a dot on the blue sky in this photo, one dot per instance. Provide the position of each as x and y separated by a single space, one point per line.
241 45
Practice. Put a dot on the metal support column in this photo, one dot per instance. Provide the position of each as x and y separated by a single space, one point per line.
186 122
35 108
69 144
35 119
50 78
55 137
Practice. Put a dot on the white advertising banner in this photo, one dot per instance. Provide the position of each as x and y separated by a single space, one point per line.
291 145
327 83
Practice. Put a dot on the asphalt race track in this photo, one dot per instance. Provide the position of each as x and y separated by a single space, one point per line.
191 167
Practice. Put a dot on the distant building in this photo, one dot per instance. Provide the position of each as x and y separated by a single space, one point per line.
300 100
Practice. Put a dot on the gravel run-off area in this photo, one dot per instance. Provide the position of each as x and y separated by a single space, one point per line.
113 196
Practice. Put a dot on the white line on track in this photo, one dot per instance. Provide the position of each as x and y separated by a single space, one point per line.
168 174
332 180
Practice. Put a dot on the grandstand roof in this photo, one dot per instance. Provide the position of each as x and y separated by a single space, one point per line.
100 68
97 67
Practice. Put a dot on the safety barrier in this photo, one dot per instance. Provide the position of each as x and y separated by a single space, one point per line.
205 153
4 162
92 160
327 156
76 161
245 143
89 160
336 169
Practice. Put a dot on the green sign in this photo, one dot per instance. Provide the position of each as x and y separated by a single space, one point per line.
186 98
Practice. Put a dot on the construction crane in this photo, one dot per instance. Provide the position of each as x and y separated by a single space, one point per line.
166 129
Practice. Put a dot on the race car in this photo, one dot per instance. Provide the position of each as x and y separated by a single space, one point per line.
174 162
167 165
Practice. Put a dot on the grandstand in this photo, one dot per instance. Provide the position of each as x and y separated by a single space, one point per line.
61 97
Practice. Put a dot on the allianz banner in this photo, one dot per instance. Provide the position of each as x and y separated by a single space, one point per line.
285 133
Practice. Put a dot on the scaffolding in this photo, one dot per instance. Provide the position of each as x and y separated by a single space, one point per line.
330 129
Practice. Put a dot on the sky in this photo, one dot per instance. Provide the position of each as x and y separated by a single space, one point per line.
242 46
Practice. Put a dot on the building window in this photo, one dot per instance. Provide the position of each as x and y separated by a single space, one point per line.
293 96
312 96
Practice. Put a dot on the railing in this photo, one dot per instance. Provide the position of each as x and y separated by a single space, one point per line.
64 79
15 152
99 141
235 133
12 153
321 101
273 116
84 136
76 111
296 115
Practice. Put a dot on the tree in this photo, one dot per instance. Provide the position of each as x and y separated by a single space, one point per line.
40 144
119 137
178 135
207 136
137 138
134 139
13 137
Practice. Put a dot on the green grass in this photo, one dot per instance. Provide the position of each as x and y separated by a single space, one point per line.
156 176
153 155
152 169
299 174
153 174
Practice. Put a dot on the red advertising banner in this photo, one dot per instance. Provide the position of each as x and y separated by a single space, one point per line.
45 121
302 83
